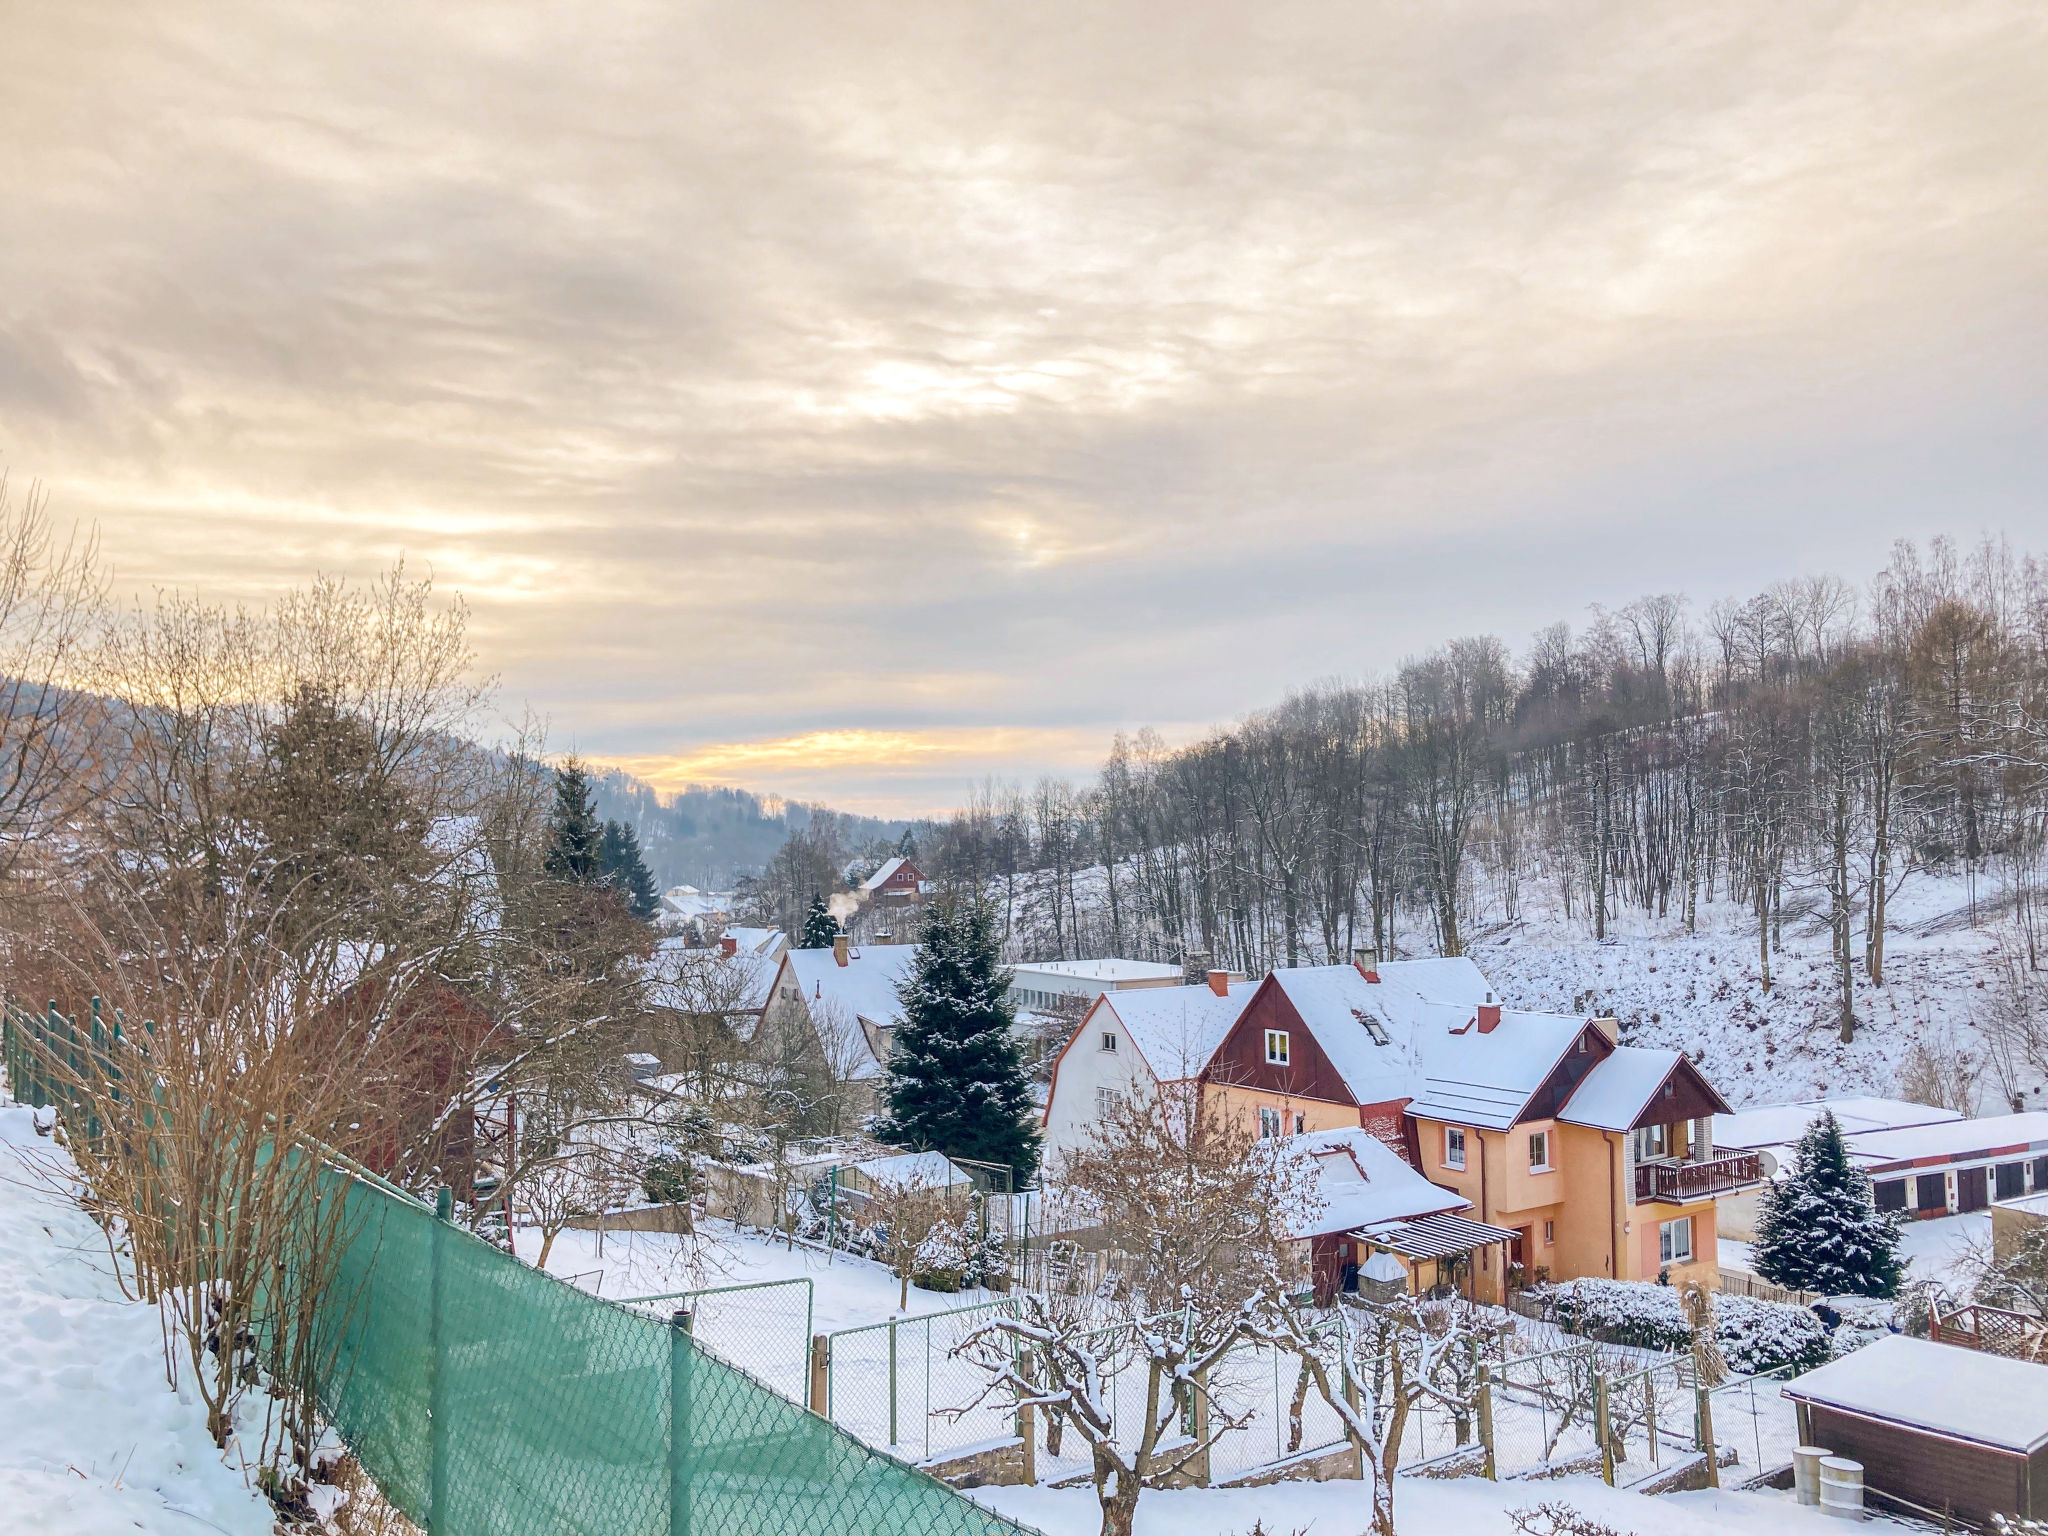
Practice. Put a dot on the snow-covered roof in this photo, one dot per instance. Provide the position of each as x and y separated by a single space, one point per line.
840 997
1484 1080
1360 1181
1780 1125
1336 1002
1176 1029
913 1171
761 941
1965 1393
1615 1093
2034 1204
1107 969
880 877
752 979
1956 1140
1413 1034
686 901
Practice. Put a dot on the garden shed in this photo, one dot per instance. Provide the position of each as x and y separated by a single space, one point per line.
1940 1431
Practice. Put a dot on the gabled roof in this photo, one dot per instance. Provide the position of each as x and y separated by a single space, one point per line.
1366 1029
1617 1093
1780 1125
1485 1080
1358 1180
881 876
840 997
1176 1029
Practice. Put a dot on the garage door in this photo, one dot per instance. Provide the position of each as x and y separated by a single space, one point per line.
1972 1189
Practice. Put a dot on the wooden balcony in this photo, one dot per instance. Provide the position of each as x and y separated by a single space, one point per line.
1675 1183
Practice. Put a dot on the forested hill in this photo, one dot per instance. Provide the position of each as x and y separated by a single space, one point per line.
708 837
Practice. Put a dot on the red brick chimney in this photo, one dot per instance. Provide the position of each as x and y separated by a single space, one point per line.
840 941
728 945
1219 983
1489 1018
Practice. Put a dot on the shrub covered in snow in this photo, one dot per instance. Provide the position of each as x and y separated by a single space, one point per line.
1758 1336
1754 1335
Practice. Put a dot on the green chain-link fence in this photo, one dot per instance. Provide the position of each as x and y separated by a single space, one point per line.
489 1399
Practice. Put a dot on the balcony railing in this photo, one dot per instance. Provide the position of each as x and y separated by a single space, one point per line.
1673 1182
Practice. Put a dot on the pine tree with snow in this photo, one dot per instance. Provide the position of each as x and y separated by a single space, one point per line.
956 1077
621 866
819 929
1819 1230
574 833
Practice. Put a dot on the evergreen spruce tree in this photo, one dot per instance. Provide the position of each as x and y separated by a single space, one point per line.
819 929
956 1078
574 835
620 866
1819 1230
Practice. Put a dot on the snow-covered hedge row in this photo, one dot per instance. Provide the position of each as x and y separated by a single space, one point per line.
1754 1335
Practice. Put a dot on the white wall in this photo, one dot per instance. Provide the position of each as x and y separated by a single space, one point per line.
1085 1067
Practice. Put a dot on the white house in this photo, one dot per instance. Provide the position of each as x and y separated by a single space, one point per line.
847 996
1135 1041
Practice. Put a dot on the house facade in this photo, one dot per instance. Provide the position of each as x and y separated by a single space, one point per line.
842 1002
1594 1158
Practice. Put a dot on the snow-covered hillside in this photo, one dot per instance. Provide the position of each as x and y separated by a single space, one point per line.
1701 992
92 1440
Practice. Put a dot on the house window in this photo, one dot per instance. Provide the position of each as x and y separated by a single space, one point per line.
1107 1102
1276 1047
1674 1241
1549 1234
1300 1122
1269 1123
1454 1146
1652 1142
1109 1039
1539 1151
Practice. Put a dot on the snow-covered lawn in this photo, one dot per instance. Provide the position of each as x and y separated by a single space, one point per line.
1423 1507
92 1440
847 1291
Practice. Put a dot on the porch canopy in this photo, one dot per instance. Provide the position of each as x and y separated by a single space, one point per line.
1433 1237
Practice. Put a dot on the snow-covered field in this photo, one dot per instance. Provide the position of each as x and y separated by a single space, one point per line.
1423 1507
1947 1251
1700 992
92 1439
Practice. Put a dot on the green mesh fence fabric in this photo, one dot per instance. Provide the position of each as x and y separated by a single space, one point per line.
488 1399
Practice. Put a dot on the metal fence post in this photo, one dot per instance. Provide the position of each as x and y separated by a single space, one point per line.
1491 1463
437 1383
1603 1428
1198 1425
892 1381
679 1426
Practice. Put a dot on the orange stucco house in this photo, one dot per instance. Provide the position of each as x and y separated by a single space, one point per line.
1594 1158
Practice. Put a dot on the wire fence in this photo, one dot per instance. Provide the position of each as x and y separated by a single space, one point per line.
481 1394
761 1326
903 1386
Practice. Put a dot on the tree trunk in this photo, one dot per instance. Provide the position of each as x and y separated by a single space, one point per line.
547 1244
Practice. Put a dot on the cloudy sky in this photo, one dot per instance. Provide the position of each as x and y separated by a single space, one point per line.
854 400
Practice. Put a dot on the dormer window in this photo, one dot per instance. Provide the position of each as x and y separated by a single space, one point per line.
1276 1047
1374 1030
1109 1040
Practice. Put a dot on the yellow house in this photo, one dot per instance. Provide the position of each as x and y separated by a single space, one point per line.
1596 1158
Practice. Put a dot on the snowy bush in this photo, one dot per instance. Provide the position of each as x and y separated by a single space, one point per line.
1758 1336
1754 1335
1622 1312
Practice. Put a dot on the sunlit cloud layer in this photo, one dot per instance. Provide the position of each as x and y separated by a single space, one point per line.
861 401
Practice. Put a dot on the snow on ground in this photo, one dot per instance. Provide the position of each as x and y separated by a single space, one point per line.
92 1440
1941 1250
847 1291
1422 1507
1700 992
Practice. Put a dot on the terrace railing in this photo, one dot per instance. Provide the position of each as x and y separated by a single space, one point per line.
1696 1181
